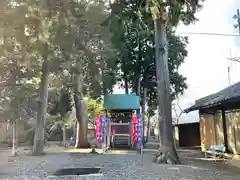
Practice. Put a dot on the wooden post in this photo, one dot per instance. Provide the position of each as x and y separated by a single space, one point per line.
109 133
144 112
131 134
224 124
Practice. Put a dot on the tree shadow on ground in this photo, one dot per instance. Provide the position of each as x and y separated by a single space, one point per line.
197 158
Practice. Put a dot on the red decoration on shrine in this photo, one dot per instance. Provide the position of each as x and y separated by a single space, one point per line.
135 121
129 131
98 127
113 132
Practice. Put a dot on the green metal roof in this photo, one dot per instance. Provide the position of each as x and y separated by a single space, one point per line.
121 102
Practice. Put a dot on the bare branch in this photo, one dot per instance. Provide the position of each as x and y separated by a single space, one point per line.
178 115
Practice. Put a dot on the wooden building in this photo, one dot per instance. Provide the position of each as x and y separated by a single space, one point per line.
220 118
187 134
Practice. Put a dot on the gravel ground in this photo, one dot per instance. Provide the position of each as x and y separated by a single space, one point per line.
129 166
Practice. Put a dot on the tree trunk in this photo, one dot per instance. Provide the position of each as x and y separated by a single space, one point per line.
38 146
64 136
14 138
137 81
126 84
138 88
82 121
148 128
168 151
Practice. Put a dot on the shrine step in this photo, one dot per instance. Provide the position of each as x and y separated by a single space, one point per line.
121 140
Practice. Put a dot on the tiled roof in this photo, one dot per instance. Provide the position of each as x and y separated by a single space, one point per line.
229 93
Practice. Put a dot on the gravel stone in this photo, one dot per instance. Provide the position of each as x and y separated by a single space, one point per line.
130 166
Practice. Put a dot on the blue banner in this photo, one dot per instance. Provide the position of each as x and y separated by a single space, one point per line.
139 129
102 127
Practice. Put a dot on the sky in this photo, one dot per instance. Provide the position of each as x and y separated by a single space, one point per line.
206 65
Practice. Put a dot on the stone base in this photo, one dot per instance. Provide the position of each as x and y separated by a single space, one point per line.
77 177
